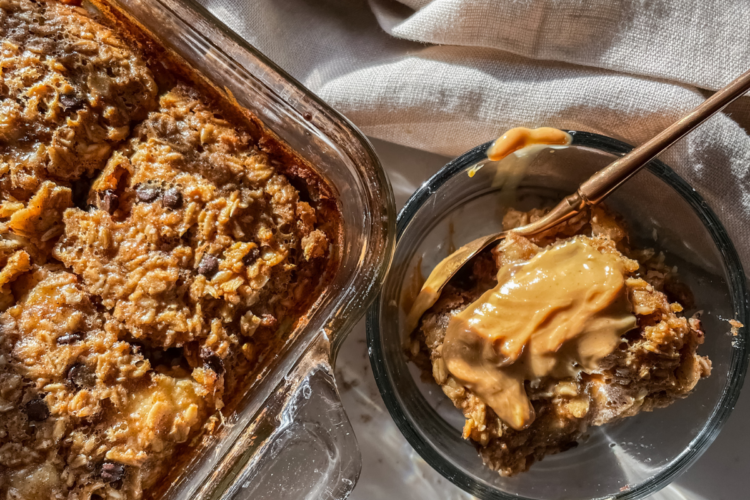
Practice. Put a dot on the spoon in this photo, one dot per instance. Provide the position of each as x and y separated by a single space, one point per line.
591 192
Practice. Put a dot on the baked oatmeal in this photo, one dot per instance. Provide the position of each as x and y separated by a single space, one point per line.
155 247
532 384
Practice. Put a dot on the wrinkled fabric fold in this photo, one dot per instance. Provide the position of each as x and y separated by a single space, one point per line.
450 98
688 41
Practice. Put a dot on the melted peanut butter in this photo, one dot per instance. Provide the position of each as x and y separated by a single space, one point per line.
559 313
519 138
512 141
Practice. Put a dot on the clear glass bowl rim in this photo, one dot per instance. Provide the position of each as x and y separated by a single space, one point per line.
736 281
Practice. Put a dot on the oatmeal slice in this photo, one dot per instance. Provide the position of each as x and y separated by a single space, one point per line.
197 240
70 89
93 402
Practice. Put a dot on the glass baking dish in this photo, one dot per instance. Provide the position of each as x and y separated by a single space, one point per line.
289 436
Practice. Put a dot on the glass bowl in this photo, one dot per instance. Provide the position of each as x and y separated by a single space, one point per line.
629 459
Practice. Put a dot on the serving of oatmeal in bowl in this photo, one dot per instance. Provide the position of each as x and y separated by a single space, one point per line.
596 359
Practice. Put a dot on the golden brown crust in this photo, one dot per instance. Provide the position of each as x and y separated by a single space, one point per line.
154 246
656 363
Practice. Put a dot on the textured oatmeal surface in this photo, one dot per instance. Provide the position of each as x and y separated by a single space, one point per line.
154 249
655 364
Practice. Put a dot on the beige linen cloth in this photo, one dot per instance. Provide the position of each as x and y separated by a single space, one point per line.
447 75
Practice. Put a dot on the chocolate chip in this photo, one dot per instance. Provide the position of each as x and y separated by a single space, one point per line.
111 472
209 265
71 102
37 410
172 198
251 256
214 363
81 376
108 201
69 338
147 193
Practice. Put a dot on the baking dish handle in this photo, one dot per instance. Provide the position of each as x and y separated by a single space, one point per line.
312 453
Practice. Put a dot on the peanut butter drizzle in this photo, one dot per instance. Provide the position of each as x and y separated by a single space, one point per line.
521 137
510 142
559 313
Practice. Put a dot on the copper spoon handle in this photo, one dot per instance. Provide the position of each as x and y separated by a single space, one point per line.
609 178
